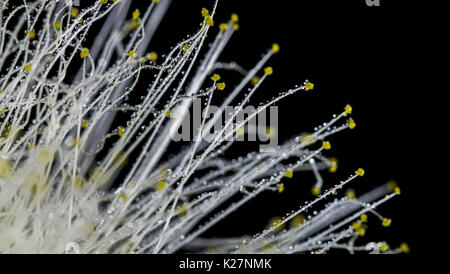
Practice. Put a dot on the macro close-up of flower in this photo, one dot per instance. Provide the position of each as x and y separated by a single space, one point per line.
164 126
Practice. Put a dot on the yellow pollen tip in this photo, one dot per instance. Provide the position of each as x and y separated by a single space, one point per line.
84 124
168 113
223 26
281 188
351 124
333 165
221 86
404 247
152 56
57 25
205 12
386 222
209 20
31 34
160 185
350 194
289 173
397 191
359 172
234 17
255 80
275 47
384 247
363 217
27 67
309 86
84 53
215 77
361 232
268 70
136 14
326 145
104 1
132 54
240 131
121 131
236 26
74 13
316 191
348 109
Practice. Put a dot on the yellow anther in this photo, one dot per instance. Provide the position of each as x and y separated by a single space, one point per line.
275 224
255 80
348 109
309 86
27 67
289 173
156 1
84 53
297 221
363 217
223 26
316 191
31 34
404 247
333 164
31 146
359 172
209 20
326 145
281 188
80 21
275 47
391 185
182 210
185 48
160 185
205 12
236 26
384 247
168 113
351 124
361 232
397 191
234 17
132 54
57 25
121 131
356 225
386 222
152 56
215 77
123 196
268 70
240 131
136 14
84 123
221 86
104 1
350 194
74 12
